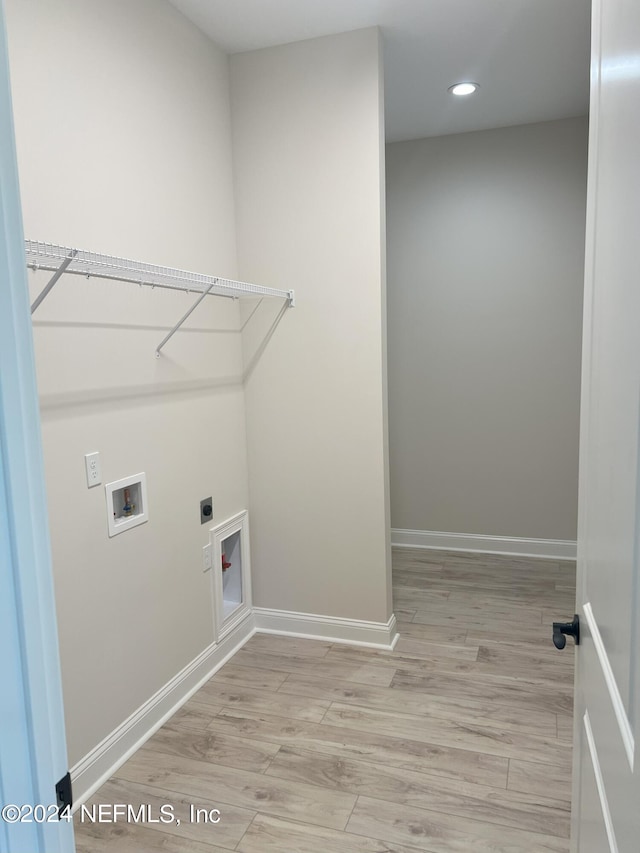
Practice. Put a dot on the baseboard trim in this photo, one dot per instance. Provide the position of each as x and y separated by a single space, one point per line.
550 549
102 762
311 626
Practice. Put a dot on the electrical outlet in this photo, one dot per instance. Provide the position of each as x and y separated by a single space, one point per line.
92 465
207 558
206 510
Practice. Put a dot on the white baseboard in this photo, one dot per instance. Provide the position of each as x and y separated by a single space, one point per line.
103 761
355 632
550 549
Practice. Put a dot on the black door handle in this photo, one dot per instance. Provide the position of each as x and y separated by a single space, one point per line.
571 629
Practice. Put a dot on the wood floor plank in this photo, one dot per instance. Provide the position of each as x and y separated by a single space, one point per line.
471 711
361 670
514 600
436 832
416 583
419 599
404 614
195 715
409 788
416 659
495 689
510 661
540 647
491 561
425 648
173 739
239 788
377 676
478 622
540 671
418 557
273 835
526 570
227 832
462 764
451 733
529 573
540 637
274 644
507 603
566 587
248 699
529 570
553 779
135 838
431 633
413 581
509 597
248 676
498 577
455 590
511 654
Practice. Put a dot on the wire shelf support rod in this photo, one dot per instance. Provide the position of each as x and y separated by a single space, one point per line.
183 318
53 280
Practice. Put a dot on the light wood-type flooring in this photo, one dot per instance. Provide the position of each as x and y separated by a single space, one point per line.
459 741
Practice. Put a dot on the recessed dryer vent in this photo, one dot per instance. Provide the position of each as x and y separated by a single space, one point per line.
231 572
126 503
231 565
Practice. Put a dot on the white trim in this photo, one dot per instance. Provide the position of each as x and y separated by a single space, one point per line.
118 524
612 686
103 761
238 523
355 632
550 549
602 794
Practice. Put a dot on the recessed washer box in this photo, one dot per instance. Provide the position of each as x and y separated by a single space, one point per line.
126 503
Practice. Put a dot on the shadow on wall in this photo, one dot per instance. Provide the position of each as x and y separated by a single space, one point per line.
263 317
258 328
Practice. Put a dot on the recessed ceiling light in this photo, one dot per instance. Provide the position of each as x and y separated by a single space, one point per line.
463 88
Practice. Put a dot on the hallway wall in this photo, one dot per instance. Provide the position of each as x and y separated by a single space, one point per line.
485 258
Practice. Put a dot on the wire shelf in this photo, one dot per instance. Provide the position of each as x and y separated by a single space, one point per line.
49 257
61 260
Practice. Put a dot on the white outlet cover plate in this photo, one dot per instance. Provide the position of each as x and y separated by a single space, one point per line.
92 466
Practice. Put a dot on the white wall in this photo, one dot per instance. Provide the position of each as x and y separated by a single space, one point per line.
124 144
308 153
486 252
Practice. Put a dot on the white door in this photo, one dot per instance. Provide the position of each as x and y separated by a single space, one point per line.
606 792
33 755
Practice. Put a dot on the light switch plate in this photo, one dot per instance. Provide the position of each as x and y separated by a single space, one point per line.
92 466
206 558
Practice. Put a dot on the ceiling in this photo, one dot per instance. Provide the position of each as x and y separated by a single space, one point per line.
530 57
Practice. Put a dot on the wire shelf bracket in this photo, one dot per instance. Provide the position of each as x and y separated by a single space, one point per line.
61 260
182 319
53 280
